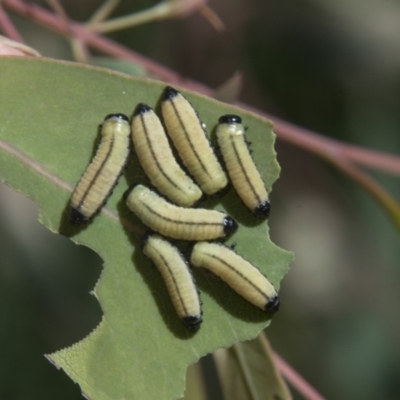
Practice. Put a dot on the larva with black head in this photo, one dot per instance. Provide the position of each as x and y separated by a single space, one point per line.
102 174
155 156
189 138
236 272
241 169
177 222
177 277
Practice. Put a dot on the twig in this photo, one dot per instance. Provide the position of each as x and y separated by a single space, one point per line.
314 142
79 50
388 203
163 10
296 380
212 17
301 137
98 42
8 27
103 12
127 21
59 11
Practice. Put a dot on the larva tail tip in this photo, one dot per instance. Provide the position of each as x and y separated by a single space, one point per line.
119 116
141 108
192 322
230 225
169 93
189 251
128 191
262 210
220 192
273 304
145 238
230 119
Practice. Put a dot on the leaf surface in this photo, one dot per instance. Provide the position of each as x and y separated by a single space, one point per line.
247 372
50 112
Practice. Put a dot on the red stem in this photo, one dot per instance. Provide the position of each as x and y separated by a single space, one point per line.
296 380
386 201
314 142
96 41
303 138
8 27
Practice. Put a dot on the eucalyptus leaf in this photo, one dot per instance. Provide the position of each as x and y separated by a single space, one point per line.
50 112
247 372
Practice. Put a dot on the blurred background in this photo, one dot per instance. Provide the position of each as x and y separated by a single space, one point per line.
333 67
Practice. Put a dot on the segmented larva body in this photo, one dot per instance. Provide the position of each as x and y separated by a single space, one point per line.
177 222
239 274
155 156
186 132
178 279
103 172
242 171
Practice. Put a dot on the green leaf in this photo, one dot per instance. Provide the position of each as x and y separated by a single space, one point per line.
247 372
50 112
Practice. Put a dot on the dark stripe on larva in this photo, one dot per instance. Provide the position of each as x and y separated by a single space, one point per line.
247 178
238 273
97 174
180 222
154 156
188 138
174 280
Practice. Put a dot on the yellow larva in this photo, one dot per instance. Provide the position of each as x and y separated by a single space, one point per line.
189 138
177 277
156 158
242 171
102 174
177 222
238 273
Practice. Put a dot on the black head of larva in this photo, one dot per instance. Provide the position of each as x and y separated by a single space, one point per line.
192 323
230 119
76 218
230 225
141 108
262 210
169 93
273 304
119 116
